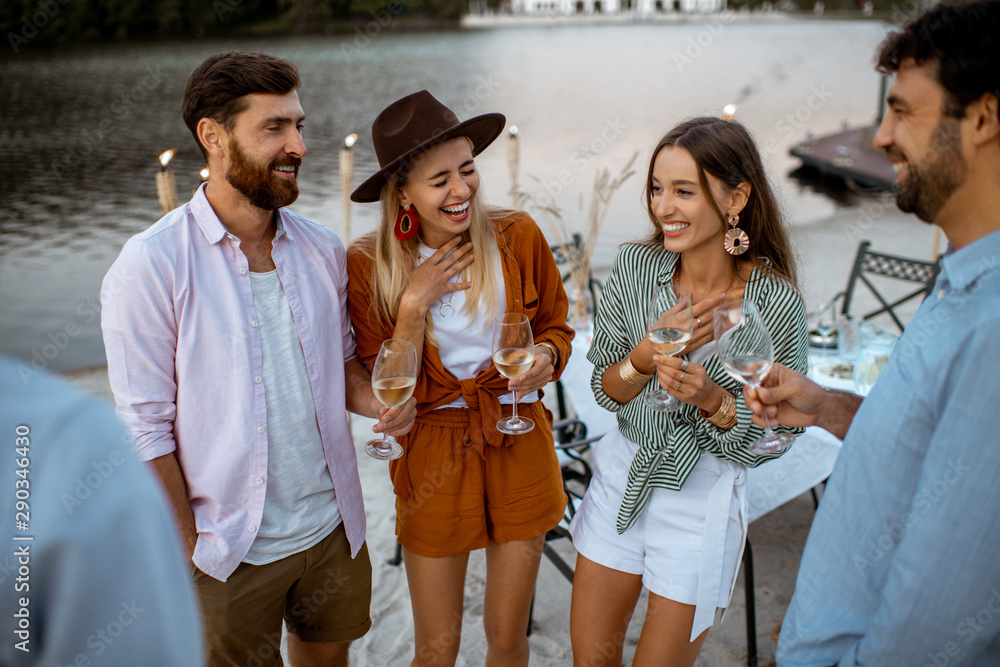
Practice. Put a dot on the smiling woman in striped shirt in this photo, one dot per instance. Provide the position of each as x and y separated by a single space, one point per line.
667 506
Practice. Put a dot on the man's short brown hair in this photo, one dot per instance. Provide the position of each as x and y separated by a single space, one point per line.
218 87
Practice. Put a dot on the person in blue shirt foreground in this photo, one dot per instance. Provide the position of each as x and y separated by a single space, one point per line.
901 566
92 571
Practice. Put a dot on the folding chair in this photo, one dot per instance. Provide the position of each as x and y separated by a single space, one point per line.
869 264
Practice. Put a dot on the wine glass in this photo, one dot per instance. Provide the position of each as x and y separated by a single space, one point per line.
826 322
393 380
513 354
746 352
670 324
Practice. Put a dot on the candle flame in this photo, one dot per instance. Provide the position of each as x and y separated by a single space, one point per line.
204 174
513 131
165 157
350 139
729 111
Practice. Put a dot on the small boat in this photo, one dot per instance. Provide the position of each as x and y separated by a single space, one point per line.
849 154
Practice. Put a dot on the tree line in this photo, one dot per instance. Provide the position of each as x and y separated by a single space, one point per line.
96 20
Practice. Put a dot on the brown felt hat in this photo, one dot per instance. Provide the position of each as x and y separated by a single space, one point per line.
408 127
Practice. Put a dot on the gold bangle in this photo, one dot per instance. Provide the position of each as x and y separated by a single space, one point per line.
551 348
629 375
725 417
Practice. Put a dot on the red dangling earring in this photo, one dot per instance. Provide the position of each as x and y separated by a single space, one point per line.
407 223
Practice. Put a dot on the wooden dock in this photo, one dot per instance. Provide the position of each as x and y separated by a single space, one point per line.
848 155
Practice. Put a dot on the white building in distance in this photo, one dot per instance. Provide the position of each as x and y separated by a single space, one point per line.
611 7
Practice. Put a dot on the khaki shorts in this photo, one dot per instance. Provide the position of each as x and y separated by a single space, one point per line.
322 594
462 501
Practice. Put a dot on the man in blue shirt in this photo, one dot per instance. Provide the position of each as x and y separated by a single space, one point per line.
92 570
902 566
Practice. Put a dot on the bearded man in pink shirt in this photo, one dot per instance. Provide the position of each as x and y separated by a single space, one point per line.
233 363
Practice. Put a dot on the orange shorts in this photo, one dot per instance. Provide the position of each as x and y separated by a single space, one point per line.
461 501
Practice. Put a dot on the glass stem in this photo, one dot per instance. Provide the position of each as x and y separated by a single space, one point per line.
767 424
514 418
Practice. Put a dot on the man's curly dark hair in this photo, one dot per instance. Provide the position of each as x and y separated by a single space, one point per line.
962 39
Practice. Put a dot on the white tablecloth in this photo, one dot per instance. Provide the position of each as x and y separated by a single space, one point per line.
807 463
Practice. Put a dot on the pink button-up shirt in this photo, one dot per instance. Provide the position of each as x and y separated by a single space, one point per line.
184 358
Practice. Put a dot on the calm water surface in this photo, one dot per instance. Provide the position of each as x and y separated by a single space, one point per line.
84 126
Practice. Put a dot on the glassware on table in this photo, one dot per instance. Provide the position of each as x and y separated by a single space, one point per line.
747 353
393 380
825 323
848 337
669 323
513 354
870 363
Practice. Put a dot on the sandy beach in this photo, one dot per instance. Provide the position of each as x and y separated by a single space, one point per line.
825 252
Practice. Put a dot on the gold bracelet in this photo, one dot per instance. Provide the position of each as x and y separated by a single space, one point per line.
725 416
629 375
551 348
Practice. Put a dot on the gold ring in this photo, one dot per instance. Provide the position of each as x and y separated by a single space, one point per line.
698 320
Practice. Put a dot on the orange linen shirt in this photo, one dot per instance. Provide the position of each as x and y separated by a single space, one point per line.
533 286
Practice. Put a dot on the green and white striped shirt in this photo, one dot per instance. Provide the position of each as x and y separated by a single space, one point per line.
670 444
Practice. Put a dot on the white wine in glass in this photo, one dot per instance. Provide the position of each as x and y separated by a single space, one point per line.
670 324
747 353
393 379
513 354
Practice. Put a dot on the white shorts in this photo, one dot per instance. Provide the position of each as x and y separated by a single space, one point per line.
686 544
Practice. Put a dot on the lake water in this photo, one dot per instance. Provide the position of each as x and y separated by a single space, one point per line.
83 126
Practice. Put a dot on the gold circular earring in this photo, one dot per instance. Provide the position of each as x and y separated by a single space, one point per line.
737 242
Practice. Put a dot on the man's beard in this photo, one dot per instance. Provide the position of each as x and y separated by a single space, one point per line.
942 169
263 189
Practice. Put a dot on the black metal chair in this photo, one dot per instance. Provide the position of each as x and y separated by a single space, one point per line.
869 265
571 442
749 594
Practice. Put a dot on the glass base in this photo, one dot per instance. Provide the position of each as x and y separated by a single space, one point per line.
771 443
661 404
383 450
515 425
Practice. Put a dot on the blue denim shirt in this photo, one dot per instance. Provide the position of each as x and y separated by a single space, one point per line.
902 565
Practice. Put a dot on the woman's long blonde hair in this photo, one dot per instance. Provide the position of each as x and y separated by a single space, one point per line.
392 259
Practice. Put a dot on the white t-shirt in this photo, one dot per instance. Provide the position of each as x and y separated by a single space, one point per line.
300 504
466 345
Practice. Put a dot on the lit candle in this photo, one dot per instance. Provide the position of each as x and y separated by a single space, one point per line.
513 160
347 180
166 188
729 111
204 173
